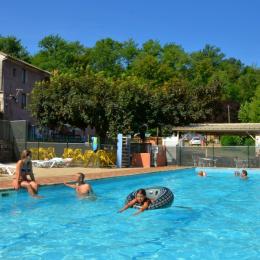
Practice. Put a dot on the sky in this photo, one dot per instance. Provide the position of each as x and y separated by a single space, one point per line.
231 25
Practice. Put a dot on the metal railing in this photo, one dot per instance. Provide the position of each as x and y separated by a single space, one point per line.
208 156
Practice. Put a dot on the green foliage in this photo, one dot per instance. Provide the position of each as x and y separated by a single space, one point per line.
105 56
247 83
120 87
68 98
249 141
130 106
57 54
233 140
12 46
250 111
166 130
146 66
174 56
128 52
229 140
169 103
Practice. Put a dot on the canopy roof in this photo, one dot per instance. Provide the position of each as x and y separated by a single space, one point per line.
218 129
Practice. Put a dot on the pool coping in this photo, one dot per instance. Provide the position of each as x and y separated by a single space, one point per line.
92 174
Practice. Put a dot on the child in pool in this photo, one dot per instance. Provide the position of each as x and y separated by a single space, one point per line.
141 199
244 175
202 174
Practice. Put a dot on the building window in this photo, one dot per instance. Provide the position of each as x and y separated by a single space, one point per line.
14 72
24 101
24 76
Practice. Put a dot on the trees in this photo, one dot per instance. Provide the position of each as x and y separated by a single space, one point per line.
250 111
128 52
58 54
130 107
247 83
13 46
174 56
118 87
169 103
106 56
69 98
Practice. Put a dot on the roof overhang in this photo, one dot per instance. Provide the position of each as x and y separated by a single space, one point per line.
218 129
18 61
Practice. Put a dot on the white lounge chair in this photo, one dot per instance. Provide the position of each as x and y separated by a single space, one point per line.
54 162
7 169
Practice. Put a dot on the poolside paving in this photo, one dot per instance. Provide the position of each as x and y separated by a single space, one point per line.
51 176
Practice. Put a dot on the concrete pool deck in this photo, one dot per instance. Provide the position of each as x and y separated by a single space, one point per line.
51 176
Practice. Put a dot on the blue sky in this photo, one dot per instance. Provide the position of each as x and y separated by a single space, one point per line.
231 25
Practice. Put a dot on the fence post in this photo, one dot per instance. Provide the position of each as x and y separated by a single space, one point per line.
213 152
13 150
248 156
180 154
67 148
119 150
38 149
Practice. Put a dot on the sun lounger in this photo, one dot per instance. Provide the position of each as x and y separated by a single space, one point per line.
7 169
54 162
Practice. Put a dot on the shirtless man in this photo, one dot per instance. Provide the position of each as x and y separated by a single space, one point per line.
82 188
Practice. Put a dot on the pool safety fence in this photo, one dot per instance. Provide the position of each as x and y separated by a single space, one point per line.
212 156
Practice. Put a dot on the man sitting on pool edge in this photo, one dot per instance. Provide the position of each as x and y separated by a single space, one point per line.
82 188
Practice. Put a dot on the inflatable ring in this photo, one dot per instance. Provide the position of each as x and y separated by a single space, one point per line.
161 197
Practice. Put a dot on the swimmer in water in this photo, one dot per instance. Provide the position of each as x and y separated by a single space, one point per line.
82 188
202 174
140 199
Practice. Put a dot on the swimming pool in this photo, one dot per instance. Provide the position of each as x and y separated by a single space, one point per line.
216 217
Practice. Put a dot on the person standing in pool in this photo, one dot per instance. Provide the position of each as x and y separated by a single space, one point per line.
244 175
140 199
22 172
82 188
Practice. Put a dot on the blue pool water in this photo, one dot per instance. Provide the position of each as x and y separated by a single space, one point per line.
216 217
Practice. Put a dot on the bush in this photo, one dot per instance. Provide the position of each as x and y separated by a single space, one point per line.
249 141
233 140
166 130
228 140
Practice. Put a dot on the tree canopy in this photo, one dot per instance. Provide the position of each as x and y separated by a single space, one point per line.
121 86
13 46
